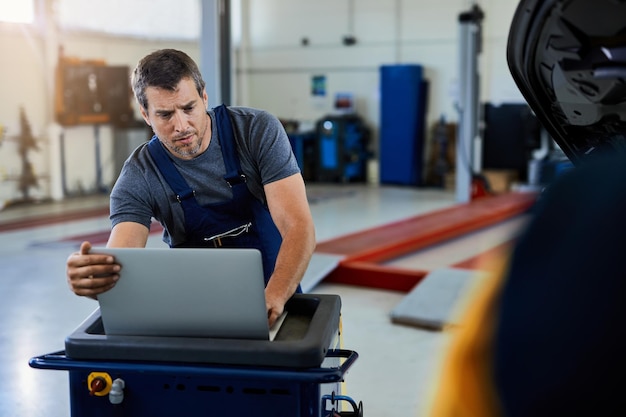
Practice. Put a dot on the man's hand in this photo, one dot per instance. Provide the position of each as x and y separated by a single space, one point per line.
91 274
275 305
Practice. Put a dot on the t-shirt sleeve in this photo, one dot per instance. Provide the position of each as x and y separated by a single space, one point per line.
270 143
130 198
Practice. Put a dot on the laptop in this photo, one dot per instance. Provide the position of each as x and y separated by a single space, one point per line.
216 293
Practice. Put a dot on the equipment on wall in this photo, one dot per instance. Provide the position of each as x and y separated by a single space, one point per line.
91 92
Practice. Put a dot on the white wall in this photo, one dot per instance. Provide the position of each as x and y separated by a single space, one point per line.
273 71
277 69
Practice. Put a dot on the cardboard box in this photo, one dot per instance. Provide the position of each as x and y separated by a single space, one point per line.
500 180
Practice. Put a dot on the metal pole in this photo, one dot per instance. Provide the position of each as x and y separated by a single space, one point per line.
215 50
99 185
225 52
63 167
469 100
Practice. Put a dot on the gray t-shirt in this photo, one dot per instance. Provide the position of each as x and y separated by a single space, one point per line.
141 193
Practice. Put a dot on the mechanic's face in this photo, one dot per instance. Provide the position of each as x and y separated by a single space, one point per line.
179 118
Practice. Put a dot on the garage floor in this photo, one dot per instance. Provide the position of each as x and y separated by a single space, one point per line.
397 365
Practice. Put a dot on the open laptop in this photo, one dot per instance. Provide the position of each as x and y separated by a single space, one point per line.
187 293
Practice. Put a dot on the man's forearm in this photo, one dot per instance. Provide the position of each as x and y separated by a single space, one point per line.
291 263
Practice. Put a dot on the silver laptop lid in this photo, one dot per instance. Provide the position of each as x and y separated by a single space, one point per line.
186 293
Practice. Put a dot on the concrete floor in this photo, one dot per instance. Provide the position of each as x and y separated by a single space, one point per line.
397 365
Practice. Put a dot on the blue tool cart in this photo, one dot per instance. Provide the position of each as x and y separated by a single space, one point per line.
342 153
298 374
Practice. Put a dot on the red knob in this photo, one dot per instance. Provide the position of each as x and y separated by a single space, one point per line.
97 385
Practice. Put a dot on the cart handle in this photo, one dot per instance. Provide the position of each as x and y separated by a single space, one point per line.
349 355
58 361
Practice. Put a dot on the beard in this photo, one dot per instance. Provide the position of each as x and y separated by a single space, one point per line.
185 150
190 150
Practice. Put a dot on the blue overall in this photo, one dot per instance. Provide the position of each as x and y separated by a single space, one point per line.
243 222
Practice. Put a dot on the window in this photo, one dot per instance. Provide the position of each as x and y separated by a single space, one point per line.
154 19
22 11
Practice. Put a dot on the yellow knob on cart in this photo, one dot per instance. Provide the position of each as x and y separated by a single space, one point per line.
99 383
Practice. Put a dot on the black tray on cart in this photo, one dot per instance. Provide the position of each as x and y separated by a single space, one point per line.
309 330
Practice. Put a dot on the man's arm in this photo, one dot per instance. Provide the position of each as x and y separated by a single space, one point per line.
290 211
128 235
90 274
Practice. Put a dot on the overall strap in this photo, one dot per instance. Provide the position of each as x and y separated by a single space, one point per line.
234 175
169 171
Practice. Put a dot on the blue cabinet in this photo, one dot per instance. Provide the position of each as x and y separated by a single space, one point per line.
402 124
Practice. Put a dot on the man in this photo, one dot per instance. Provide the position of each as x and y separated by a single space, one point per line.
546 336
222 177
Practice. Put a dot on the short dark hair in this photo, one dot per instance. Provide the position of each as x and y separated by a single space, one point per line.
164 69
